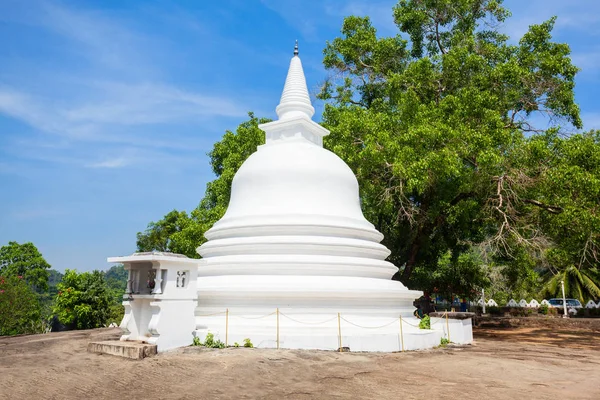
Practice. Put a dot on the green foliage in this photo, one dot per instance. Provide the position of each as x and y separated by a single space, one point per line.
580 284
444 342
434 126
159 236
248 343
20 311
210 342
179 233
461 274
25 260
196 341
543 309
236 344
425 322
83 300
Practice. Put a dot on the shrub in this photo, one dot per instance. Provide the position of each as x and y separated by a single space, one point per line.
425 323
196 341
444 342
543 309
210 342
248 343
236 344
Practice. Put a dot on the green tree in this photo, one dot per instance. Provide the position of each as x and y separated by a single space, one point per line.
20 310
579 284
462 275
116 280
46 298
569 183
181 234
429 124
25 260
83 300
159 235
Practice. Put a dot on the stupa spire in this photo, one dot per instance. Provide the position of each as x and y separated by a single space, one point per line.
295 100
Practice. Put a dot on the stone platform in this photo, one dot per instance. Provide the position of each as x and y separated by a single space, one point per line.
127 349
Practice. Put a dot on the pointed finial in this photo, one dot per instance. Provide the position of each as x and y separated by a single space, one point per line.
296 48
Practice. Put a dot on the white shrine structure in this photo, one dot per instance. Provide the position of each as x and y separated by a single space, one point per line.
293 263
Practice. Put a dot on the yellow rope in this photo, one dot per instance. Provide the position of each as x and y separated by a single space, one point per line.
262 316
306 323
406 322
369 327
210 315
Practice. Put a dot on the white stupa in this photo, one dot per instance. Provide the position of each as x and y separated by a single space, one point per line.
294 238
293 263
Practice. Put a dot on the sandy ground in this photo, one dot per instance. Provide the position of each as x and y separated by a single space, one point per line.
516 363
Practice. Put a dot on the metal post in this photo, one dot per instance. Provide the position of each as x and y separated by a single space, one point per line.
566 314
340 332
278 327
483 299
226 327
401 334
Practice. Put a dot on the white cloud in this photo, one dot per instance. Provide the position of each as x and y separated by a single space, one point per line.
110 163
32 213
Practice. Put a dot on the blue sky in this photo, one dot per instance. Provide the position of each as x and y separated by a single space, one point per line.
108 108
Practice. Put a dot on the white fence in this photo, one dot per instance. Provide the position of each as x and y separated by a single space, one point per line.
532 304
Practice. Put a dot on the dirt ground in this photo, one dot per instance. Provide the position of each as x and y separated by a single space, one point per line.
532 362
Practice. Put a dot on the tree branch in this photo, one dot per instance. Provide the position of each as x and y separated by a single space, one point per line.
549 208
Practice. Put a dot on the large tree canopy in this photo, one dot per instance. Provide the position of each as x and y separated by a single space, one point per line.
434 125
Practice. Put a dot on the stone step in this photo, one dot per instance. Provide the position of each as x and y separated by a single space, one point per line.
127 349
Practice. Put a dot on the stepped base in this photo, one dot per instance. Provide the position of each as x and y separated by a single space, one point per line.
126 349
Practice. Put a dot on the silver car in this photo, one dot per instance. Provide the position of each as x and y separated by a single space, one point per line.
571 303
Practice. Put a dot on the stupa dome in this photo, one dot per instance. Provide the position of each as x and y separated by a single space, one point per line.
294 183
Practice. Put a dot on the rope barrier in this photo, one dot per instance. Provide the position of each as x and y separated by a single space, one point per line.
262 316
210 315
408 323
369 327
339 319
307 323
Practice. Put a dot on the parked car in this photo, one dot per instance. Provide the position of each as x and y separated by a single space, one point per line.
571 303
